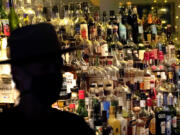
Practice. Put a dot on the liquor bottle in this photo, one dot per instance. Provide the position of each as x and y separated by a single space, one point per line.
151 122
29 13
122 120
4 30
143 116
167 112
122 30
131 129
177 130
55 20
173 112
135 25
113 122
160 116
13 18
104 25
82 110
39 18
127 25
3 14
106 129
97 117
81 26
20 12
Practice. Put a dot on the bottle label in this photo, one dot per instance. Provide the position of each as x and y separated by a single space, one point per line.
154 29
122 31
104 49
163 127
149 38
168 124
141 54
4 28
163 76
147 131
84 31
99 130
141 130
147 84
81 94
140 29
152 126
174 122
142 103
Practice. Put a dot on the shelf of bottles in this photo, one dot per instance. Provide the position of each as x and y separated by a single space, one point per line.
125 80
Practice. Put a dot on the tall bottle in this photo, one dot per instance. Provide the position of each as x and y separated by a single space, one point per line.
113 122
167 111
82 110
173 112
122 120
160 116
13 18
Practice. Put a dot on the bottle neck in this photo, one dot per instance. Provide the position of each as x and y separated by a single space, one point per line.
1 5
66 14
11 4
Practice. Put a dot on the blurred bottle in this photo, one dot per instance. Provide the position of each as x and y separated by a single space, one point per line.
13 18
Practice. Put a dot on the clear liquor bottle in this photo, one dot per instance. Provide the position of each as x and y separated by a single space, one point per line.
160 116
122 120
29 13
20 12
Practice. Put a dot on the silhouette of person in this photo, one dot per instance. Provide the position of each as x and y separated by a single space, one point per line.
36 65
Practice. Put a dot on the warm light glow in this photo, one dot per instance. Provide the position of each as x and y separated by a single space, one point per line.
176 27
178 6
165 1
155 1
163 9
163 21
152 8
177 17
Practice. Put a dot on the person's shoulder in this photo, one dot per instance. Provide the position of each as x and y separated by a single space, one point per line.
72 121
66 116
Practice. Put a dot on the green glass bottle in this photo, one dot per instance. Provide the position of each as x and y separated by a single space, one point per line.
13 18
81 110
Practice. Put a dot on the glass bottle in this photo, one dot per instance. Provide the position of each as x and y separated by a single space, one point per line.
151 122
39 18
107 129
160 116
167 112
135 24
55 20
82 110
13 18
20 12
97 117
29 13
173 112
122 30
113 122
80 23
122 120
4 28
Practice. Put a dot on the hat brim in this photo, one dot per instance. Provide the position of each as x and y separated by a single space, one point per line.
42 57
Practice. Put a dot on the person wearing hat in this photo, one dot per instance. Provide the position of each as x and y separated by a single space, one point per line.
36 65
